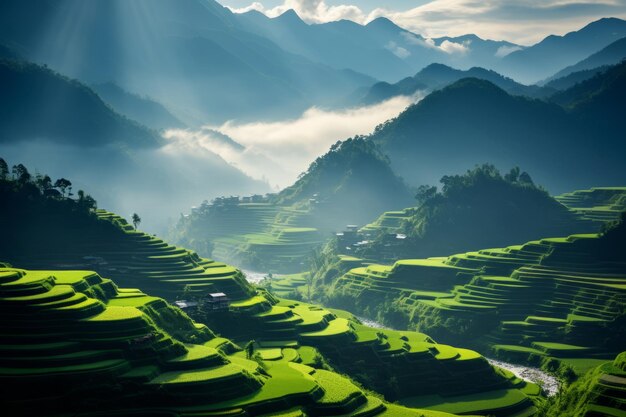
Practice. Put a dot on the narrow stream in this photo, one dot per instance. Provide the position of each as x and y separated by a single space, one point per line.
255 277
373 324
549 383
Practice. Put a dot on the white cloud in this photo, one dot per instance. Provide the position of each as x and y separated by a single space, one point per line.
279 151
254 6
416 40
446 46
505 50
454 47
397 50
311 11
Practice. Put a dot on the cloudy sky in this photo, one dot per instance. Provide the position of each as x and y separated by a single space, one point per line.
520 21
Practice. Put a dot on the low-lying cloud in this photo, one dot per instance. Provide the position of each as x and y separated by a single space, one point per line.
279 151
446 46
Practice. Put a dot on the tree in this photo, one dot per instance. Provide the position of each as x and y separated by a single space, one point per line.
89 202
44 183
136 220
249 349
309 286
525 179
21 174
63 184
513 175
85 200
4 169
425 193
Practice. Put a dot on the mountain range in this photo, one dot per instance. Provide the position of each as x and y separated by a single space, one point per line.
380 48
206 64
436 76
474 120
37 103
191 56
611 55
552 54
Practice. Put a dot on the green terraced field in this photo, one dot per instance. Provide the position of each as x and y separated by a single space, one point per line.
552 298
60 355
136 259
259 236
388 222
599 204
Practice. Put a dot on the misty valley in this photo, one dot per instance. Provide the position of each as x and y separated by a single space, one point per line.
310 208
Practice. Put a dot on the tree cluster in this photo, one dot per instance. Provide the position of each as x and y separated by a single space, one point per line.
21 179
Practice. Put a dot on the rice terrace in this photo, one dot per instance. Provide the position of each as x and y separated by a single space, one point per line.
312 208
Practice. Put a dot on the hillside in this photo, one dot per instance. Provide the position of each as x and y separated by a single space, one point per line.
58 125
278 233
611 55
598 100
470 212
436 76
285 331
554 53
142 109
142 356
570 80
473 120
553 302
599 392
30 108
348 184
193 57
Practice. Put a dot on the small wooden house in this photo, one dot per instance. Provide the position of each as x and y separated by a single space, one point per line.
216 301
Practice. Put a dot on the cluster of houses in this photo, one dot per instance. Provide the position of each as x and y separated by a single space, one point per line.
351 239
211 302
206 207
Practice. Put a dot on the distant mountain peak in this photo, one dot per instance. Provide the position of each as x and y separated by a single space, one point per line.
383 23
436 66
290 16
462 38
255 13
607 20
